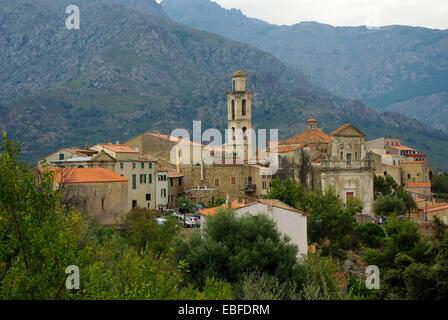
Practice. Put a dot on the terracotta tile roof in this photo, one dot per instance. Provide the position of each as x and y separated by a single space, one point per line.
81 151
235 204
438 207
279 204
174 139
307 137
402 148
413 162
174 174
246 203
118 148
86 175
425 184
344 127
287 149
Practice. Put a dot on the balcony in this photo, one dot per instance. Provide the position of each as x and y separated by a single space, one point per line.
360 164
250 188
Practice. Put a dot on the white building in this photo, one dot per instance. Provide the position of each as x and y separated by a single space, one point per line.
290 221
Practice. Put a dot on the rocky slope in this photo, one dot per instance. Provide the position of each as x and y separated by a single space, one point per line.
128 70
385 68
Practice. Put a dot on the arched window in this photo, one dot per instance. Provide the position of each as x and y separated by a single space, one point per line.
233 85
244 133
233 109
244 108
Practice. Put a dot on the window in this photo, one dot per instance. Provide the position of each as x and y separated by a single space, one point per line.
409 176
143 165
150 179
233 109
134 165
349 158
148 197
244 111
171 182
349 196
134 203
385 173
342 156
163 193
134 181
150 165
216 182
180 181
233 85
233 179
264 185
61 156
121 165
102 204
143 179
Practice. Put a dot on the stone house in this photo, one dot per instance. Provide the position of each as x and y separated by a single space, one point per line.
98 192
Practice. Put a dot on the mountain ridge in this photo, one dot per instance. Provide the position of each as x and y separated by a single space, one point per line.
125 72
386 68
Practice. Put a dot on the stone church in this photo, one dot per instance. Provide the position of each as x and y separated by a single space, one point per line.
339 161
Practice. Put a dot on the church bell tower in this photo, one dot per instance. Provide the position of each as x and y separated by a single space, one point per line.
239 114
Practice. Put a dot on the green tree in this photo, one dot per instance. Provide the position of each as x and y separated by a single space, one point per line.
141 231
387 205
440 183
185 203
233 248
407 199
288 191
371 235
384 186
330 224
39 237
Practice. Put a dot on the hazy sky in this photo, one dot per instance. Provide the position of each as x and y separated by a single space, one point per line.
426 13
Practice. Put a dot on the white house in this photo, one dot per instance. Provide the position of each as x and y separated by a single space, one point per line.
290 221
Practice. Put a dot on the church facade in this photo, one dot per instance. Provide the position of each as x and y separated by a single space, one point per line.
339 161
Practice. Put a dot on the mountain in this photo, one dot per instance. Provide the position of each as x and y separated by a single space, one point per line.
128 70
388 68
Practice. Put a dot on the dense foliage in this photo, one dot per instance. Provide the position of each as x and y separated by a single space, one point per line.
412 266
391 198
330 223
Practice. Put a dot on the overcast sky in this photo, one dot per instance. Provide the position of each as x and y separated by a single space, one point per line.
426 13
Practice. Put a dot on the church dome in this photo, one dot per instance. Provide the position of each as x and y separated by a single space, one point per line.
239 73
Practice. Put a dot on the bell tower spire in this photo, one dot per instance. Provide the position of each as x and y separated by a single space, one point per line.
239 114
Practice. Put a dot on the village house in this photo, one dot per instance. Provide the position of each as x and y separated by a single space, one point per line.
290 221
99 192
407 166
120 159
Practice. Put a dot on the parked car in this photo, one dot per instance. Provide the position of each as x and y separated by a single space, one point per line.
380 220
161 221
189 222
197 221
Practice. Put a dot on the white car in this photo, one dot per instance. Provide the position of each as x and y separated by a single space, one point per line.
161 221
189 222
